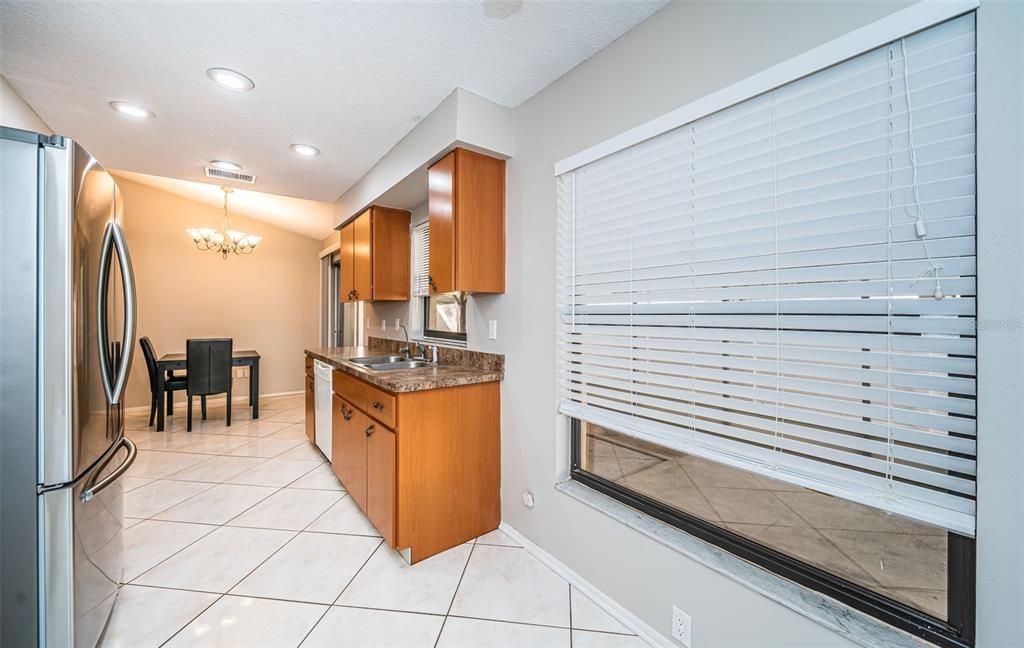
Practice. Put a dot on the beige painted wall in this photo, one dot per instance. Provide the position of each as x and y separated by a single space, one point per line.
266 301
14 112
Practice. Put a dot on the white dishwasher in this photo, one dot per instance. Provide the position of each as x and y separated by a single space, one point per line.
322 399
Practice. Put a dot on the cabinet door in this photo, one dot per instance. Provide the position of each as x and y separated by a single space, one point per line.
479 223
441 210
310 410
391 254
347 261
380 481
362 276
348 448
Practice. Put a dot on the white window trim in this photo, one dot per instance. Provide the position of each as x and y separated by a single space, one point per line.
885 30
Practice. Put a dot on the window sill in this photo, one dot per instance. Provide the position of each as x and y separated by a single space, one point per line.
841 619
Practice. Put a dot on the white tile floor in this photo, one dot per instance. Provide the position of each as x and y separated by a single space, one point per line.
242 536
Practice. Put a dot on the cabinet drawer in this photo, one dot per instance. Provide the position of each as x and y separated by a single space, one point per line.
309 366
377 403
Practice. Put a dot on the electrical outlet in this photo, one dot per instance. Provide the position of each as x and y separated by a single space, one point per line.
492 329
682 626
383 325
398 323
528 499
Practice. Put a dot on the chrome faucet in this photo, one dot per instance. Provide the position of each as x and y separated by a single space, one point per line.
404 350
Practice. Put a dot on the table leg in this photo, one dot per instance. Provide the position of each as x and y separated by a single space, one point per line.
160 400
254 389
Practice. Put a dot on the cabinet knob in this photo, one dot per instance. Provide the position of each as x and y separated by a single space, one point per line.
369 431
377 405
347 415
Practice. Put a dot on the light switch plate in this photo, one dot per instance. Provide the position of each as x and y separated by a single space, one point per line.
492 329
383 325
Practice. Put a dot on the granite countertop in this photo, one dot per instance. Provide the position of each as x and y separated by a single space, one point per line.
455 367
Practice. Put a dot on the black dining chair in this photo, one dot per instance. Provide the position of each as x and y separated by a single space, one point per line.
208 363
172 382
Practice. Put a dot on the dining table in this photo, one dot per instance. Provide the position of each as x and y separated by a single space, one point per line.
244 358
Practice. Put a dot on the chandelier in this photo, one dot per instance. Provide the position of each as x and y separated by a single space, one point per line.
227 240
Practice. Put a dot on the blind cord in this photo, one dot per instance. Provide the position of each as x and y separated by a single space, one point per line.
920 229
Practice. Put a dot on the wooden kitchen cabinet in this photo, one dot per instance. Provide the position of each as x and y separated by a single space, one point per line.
424 466
374 255
348 448
380 480
346 259
466 205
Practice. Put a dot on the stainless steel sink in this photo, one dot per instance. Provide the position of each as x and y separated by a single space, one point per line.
379 359
400 364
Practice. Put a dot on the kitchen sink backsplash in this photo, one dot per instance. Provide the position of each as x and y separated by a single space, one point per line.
448 355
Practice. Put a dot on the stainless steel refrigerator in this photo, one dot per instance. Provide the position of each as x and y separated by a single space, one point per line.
67 334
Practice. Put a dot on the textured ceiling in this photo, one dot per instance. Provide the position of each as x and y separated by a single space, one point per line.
310 218
349 77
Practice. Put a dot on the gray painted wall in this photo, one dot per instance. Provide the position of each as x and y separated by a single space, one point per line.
1000 579
687 50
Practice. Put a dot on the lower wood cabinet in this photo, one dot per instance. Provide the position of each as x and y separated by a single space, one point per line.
423 466
348 448
380 480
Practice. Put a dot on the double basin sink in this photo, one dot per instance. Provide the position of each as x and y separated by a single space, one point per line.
391 363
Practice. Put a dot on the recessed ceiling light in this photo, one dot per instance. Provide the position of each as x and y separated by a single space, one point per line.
230 79
132 110
305 149
224 165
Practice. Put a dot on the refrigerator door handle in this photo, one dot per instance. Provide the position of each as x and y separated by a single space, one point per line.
113 239
92 489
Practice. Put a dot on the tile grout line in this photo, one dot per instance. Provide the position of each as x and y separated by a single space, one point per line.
164 510
331 605
263 562
570 615
358 571
378 609
221 596
218 526
455 594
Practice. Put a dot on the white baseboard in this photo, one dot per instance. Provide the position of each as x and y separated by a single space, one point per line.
180 402
602 600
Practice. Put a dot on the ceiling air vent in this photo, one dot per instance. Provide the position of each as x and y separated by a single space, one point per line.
235 176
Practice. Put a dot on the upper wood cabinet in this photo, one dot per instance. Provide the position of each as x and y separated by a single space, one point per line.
466 202
375 256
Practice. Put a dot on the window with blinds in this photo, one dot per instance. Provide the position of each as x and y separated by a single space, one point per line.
788 285
421 260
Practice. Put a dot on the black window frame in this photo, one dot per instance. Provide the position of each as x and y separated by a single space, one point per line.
957 632
439 335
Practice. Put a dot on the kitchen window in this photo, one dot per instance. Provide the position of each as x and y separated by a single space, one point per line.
444 314
767 328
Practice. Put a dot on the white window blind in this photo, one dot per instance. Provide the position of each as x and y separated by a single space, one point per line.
788 285
421 260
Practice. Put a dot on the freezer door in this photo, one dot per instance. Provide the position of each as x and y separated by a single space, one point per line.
82 529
